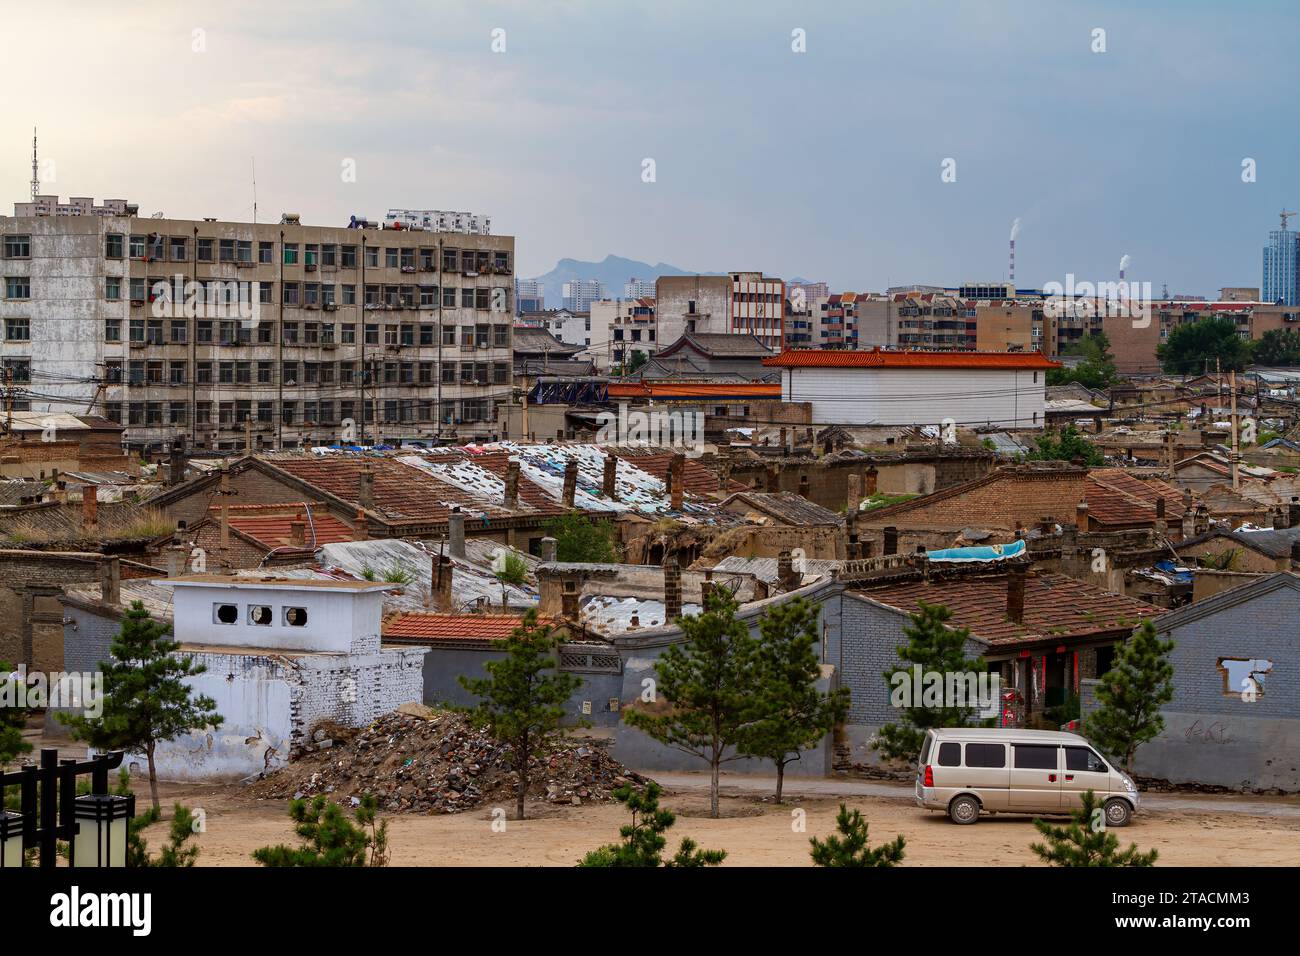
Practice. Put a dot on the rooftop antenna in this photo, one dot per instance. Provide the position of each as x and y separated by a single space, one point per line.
36 179
1285 215
254 161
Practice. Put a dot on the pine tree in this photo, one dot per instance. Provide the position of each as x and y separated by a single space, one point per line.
174 852
708 682
521 701
850 847
509 569
643 839
12 717
1131 694
146 697
329 838
937 648
794 715
1085 841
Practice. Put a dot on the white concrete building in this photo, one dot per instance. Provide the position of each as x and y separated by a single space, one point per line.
440 220
282 655
877 387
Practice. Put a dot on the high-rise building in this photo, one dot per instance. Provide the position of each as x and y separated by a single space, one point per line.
530 296
1280 273
580 293
288 335
639 289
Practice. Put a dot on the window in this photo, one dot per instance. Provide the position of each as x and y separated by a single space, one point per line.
180 250
18 330
205 250
113 288
291 253
260 614
266 252
1083 759
986 755
18 287
113 244
949 754
1035 757
1244 676
18 247
295 616
135 247
225 613
112 330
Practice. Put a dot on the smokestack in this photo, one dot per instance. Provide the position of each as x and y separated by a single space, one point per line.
89 508
1011 264
891 540
1123 265
570 481
677 468
110 580
512 485
610 485
786 575
672 590
548 549
366 489
1016 595
456 533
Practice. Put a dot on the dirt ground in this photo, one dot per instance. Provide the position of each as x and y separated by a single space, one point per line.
754 831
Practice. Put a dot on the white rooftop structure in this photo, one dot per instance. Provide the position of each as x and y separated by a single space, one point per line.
439 220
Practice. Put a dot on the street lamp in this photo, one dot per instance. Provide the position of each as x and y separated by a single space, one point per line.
11 839
102 821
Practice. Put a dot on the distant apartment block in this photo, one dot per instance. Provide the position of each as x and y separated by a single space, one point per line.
530 296
578 294
806 292
287 334
639 288
1280 267
742 303
627 326
439 220
75 206
1134 343
568 326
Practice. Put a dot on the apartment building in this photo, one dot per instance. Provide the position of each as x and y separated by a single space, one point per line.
1134 343
626 326
283 334
578 295
75 206
530 296
742 303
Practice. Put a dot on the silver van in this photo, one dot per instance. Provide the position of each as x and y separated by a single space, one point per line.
965 771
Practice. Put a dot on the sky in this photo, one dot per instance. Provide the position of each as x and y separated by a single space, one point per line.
806 138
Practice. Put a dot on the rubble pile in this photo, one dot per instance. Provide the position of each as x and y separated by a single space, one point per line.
416 760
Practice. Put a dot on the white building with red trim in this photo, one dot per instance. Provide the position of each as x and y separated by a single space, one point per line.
879 387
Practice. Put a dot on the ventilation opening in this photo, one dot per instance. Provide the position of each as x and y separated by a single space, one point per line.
295 616
260 614
226 613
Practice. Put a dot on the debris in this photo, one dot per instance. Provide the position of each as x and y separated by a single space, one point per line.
418 760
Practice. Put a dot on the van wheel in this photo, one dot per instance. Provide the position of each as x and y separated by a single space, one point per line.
1118 812
964 809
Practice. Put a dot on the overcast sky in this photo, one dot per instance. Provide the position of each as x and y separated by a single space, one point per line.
825 163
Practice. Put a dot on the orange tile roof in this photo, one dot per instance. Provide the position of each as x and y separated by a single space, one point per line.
455 627
711 390
835 358
274 530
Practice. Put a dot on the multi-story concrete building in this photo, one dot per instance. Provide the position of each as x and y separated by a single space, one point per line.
625 326
282 334
1134 342
636 288
1281 258
580 293
75 206
530 296
742 303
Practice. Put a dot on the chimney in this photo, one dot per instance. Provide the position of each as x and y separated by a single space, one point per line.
677 468
610 486
362 530
89 508
851 534
1160 508
891 540
706 589
298 531
548 549
854 500
1293 512
512 485
456 533
110 580
366 489
1081 516
1046 525
760 589
773 476
1016 595
672 590
440 584
786 575
803 486
570 481
224 492
176 462
872 476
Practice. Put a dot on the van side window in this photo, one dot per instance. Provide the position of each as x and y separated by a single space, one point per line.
925 749
986 755
950 754
1035 756
1081 758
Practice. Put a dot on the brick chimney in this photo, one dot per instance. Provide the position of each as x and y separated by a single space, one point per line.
110 580
548 549
176 462
610 483
440 585
672 590
1046 525
760 589
854 498
786 575
366 489
872 477
772 475
362 530
891 540
89 508
1016 595
1081 515
512 485
677 468
298 531
456 533
851 534
570 481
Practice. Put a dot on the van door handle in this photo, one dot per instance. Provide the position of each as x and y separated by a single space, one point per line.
1051 778
1069 776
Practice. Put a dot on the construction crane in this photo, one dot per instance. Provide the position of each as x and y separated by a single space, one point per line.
1285 216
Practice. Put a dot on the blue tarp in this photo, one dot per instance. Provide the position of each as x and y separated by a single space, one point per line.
994 552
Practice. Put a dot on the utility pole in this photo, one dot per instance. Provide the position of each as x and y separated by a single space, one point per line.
1236 452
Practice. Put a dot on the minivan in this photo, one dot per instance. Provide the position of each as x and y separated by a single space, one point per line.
966 771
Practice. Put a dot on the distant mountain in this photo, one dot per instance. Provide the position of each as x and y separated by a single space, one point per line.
612 272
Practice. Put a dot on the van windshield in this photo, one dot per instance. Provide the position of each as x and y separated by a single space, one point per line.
925 749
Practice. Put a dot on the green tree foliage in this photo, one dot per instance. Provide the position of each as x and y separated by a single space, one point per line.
1277 347
850 848
579 539
1066 445
12 718
521 701
175 852
1097 370
329 838
146 697
1194 347
708 685
643 839
512 571
1131 694
795 715
1084 841
937 648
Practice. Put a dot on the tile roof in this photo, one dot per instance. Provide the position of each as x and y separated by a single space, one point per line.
834 358
1056 606
1116 497
785 506
714 391
455 627
274 531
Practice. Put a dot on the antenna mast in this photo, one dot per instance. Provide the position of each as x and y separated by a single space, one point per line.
36 179
254 159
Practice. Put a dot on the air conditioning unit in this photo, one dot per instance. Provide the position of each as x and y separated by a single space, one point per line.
408 268
311 267
329 345
329 307
241 264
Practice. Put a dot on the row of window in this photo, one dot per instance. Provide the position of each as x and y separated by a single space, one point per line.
233 332
154 247
306 373
328 413
1026 757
